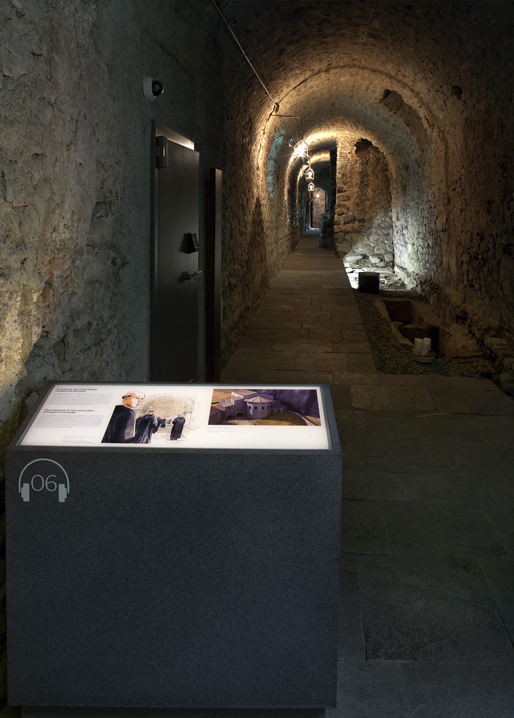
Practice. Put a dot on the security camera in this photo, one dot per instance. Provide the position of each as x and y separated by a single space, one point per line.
152 88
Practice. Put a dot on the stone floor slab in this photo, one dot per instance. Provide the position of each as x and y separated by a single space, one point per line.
343 313
252 358
349 423
267 335
456 401
325 320
305 346
499 575
291 300
435 610
353 335
501 518
303 312
467 383
326 332
391 425
296 377
458 691
466 427
353 347
263 333
371 689
436 488
240 375
276 324
363 530
356 378
385 398
354 459
341 397
344 323
361 363
334 300
342 291
493 430
274 306
404 457
318 361
440 530
270 315
409 380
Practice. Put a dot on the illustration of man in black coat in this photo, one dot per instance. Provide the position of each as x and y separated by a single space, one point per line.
178 424
146 425
121 428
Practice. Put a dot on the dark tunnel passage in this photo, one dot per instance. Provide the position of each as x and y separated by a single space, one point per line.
410 156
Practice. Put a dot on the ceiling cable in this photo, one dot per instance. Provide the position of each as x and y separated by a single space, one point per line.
275 104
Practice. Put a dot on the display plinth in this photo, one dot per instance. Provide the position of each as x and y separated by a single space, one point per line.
167 577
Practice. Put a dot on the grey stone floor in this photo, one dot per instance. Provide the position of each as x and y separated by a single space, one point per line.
427 597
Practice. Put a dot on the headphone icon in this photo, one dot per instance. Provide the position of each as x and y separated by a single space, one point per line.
38 482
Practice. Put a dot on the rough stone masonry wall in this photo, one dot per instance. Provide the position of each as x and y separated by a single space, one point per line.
363 223
75 182
259 218
480 248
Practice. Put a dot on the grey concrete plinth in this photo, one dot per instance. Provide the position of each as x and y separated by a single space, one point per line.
71 712
191 579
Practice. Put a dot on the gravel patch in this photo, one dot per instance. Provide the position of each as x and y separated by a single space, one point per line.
392 357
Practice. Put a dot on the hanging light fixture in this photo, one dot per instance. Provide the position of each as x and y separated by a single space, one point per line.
301 149
309 175
310 186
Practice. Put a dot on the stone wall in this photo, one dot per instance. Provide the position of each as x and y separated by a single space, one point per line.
261 220
363 223
75 180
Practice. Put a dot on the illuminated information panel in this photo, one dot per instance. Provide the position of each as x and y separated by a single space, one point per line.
175 416
173 545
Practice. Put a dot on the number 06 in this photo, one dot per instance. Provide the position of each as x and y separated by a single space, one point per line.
49 484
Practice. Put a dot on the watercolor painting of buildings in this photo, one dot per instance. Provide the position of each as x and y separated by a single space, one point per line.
264 406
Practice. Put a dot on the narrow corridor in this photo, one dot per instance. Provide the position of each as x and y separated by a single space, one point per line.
426 623
308 327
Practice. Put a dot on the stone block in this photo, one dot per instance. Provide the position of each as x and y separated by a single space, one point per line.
507 382
369 282
456 341
492 342
399 310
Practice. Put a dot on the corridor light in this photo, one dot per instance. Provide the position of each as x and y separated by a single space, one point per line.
309 174
301 149
310 186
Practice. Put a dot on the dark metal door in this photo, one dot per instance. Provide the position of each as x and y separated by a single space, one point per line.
212 280
175 276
